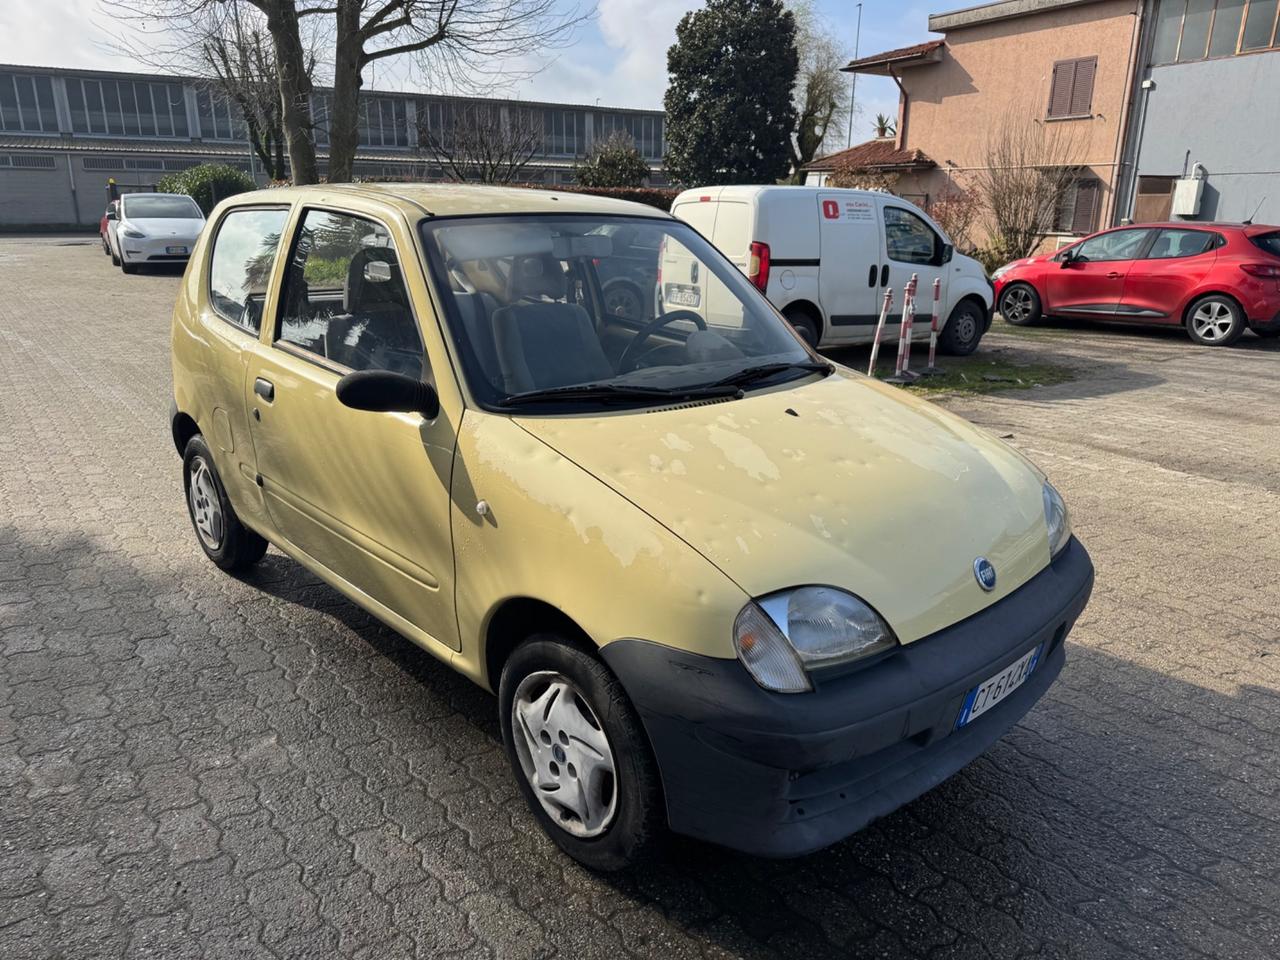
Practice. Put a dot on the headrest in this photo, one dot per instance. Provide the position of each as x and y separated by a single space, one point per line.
535 277
365 279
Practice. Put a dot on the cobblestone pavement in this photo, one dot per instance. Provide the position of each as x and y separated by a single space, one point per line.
193 765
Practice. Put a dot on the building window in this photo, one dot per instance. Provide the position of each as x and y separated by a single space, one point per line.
563 134
1079 210
1189 30
646 131
26 104
1154 199
121 108
1071 90
383 122
220 119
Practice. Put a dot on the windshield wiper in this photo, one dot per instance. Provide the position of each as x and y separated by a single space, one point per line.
752 374
613 392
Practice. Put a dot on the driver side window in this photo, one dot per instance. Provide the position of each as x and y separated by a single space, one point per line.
908 239
1117 245
344 297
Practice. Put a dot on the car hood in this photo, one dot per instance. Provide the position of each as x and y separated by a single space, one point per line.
842 481
168 227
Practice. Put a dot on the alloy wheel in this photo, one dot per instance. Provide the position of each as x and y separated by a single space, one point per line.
1212 321
1016 304
565 754
206 506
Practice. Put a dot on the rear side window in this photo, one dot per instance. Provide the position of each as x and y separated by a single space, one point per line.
244 254
1270 242
1172 244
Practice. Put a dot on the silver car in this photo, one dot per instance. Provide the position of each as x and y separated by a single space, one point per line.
153 228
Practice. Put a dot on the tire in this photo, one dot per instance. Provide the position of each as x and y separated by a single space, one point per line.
1215 321
624 812
964 329
804 323
129 268
224 539
1020 305
106 247
115 261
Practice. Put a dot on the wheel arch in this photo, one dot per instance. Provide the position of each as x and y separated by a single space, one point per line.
808 307
513 621
1199 295
183 427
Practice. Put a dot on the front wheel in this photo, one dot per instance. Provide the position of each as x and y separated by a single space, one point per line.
580 754
1020 305
224 539
128 267
1215 321
964 329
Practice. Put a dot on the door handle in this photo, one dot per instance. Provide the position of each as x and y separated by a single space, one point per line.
884 275
265 389
871 276
1113 275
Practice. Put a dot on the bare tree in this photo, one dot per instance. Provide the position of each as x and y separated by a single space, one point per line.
821 91
461 45
484 142
242 61
1028 168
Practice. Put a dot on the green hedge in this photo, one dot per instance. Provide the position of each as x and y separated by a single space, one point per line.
207 184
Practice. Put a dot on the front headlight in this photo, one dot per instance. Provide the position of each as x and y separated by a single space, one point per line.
1056 519
783 636
134 233
1001 271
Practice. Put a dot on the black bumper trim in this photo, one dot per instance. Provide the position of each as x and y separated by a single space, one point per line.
786 774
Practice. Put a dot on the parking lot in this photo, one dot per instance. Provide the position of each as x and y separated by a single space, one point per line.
197 766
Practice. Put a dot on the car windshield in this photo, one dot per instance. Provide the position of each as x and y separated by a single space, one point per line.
161 208
593 311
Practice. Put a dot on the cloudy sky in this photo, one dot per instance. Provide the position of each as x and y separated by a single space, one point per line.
619 58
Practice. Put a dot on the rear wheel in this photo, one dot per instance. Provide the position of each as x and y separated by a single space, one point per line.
623 299
106 247
224 539
805 324
1215 321
964 329
580 754
1020 305
115 261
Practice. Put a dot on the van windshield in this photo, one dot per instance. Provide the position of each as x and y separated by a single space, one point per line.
582 311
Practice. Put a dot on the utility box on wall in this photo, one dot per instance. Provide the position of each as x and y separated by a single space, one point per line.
1186 196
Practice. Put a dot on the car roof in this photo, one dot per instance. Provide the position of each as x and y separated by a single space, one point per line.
745 191
1201 225
454 199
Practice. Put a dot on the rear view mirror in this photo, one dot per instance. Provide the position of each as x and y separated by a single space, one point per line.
382 391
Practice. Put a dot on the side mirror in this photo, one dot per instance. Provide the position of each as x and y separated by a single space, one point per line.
385 392
948 251
1068 259
112 215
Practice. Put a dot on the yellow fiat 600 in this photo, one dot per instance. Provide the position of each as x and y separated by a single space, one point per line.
719 585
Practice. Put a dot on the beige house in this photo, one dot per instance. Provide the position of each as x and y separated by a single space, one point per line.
1060 70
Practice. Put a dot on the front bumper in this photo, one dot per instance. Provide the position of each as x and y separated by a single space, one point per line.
786 774
156 249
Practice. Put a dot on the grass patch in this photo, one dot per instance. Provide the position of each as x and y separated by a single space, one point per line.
984 374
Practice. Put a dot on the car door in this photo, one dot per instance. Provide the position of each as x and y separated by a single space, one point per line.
1157 286
912 247
1088 278
362 495
849 262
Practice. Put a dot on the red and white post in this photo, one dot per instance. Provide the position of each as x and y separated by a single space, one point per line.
875 344
902 369
933 328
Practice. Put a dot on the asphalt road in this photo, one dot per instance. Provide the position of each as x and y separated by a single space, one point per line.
193 765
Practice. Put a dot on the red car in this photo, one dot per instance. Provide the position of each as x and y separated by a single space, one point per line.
1216 279
109 215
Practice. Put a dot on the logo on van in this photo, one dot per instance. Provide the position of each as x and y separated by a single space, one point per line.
831 209
985 573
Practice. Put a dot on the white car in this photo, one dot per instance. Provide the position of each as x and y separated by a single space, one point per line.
825 256
153 228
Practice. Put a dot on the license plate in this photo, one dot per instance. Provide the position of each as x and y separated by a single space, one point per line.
683 296
175 250
995 689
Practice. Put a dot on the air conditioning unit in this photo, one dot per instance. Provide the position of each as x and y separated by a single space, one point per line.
1187 192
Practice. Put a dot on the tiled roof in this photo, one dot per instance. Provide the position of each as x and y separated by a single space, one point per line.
874 154
918 51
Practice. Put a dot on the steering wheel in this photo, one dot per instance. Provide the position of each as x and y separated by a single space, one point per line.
627 362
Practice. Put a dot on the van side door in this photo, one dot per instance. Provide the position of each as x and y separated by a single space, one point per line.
849 271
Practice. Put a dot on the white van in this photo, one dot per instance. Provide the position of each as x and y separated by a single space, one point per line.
825 256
